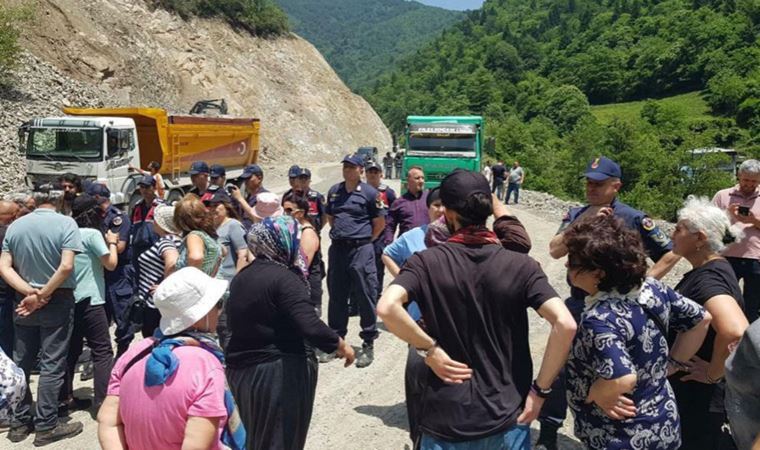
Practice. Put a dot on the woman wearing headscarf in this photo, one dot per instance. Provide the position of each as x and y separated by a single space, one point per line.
269 368
701 233
617 385
169 391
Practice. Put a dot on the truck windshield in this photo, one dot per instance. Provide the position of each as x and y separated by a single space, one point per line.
462 145
65 144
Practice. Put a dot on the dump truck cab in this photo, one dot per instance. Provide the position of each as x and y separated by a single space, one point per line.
95 148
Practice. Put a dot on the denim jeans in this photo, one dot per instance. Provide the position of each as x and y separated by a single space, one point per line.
515 438
748 269
45 332
513 187
498 188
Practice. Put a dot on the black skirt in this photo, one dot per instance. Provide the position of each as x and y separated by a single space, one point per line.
275 400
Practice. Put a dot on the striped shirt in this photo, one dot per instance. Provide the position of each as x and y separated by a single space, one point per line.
152 266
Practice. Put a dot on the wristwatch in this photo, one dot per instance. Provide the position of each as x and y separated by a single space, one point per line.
543 393
424 353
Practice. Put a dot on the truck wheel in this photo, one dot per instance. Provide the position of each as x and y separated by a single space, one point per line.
174 196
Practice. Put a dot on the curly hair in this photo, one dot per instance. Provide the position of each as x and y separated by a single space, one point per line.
191 214
605 243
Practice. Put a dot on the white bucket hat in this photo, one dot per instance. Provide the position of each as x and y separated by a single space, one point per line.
267 205
163 215
184 297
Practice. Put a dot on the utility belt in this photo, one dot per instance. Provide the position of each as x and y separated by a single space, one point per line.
352 243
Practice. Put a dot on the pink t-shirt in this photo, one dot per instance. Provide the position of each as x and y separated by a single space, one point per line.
155 417
749 247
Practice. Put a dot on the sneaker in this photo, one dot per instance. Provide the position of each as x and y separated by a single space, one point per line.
61 431
366 356
18 434
323 357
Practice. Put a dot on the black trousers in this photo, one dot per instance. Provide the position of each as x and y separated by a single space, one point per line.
275 400
415 380
351 272
90 323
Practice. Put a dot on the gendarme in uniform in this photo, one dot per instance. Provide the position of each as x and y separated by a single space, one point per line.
351 263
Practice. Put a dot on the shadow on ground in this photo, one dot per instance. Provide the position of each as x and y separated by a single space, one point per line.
392 416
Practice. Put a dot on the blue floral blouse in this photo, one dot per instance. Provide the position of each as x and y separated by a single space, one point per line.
616 337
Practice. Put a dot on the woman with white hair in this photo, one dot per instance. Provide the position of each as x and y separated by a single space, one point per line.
701 233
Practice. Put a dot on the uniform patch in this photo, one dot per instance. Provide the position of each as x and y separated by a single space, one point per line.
595 164
647 223
117 221
379 202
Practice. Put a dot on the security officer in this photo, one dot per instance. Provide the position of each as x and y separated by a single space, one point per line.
398 161
603 181
316 199
199 173
355 213
120 281
253 177
295 185
388 195
217 175
388 164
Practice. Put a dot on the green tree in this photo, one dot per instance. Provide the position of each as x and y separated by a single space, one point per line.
11 21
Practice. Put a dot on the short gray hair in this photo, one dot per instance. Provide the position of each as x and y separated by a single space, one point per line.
750 167
699 214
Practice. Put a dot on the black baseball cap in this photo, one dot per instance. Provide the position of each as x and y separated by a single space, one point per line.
251 170
294 171
602 168
147 180
215 197
304 173
460 185
198 167
433 196
217 170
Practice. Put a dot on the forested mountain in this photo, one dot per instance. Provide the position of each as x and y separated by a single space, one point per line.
533 67
361 39
457 5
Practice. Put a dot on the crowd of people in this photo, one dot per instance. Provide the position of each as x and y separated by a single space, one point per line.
225 287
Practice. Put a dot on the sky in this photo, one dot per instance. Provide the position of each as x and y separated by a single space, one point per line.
458 5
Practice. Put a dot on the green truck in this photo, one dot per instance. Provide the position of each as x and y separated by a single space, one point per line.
440 144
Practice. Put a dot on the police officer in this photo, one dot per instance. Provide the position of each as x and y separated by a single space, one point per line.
295 184
388 164
199 173
316 200
398 161
388 195
603 181
355 212
253 176
120 281
218 175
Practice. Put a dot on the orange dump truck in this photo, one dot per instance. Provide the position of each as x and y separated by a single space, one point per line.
100 143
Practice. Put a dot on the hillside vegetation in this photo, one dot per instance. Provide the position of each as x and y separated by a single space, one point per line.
258 17
364 39
534 68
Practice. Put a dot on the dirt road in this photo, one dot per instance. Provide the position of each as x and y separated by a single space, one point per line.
363 409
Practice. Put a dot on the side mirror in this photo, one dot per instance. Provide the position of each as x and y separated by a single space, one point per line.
22 140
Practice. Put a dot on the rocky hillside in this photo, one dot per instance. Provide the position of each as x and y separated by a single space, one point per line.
120 52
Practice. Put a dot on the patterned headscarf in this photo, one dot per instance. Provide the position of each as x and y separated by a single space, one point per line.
437 233
277 239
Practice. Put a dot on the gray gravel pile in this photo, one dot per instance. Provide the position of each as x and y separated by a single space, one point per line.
38 90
